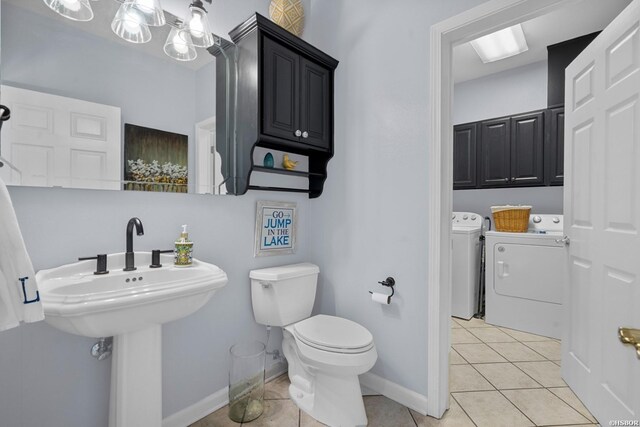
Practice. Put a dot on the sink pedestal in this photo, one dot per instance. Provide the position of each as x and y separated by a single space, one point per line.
130 306
136 379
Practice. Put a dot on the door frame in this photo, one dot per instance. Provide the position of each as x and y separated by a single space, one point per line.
205 148
469 25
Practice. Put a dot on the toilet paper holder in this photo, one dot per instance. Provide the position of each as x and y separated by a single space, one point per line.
389 282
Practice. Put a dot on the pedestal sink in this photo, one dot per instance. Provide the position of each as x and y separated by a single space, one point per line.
131 306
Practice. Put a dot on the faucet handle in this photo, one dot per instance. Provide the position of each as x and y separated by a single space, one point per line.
155 257
101 266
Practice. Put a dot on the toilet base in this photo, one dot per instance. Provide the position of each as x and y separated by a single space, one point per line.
335 400
328 392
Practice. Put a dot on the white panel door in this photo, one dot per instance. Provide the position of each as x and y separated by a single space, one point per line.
59 141
602 219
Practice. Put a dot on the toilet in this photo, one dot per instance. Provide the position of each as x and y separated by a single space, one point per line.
325 353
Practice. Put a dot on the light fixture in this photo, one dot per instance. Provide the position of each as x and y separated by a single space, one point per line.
198 25
179 45
501 44
76 10
150 10
129 24
134 17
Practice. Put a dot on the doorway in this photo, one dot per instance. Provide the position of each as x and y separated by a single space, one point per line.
470 25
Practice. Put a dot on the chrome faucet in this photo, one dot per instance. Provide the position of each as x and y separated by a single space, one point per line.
129 260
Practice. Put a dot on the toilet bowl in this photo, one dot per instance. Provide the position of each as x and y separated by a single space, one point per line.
325 353
324 368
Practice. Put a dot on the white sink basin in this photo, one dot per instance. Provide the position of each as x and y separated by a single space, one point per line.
79 302
131 306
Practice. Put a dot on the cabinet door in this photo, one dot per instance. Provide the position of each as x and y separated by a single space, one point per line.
494 152
316 104
555 147
527 149
280 91
464 156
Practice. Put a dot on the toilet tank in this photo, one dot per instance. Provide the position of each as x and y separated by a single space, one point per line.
283 295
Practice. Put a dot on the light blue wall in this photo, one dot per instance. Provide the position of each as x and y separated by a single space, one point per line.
371 220
507 93
513 91
47 377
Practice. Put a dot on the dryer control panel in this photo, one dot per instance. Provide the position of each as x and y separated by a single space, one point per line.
545 223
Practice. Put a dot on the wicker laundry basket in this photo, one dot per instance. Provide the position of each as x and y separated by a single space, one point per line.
513 219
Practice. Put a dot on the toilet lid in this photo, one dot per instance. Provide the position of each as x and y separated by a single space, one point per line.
330 332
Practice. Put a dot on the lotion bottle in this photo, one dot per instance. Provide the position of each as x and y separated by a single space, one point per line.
184 249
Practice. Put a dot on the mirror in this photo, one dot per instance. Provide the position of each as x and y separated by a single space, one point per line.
92 110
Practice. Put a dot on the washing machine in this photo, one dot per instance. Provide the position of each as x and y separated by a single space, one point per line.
526 274
465 260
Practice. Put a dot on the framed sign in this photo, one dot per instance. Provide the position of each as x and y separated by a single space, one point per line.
275 228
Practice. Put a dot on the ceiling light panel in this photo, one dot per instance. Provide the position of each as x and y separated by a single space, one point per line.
501 44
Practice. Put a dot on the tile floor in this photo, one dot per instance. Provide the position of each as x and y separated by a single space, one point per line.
502 377
498 377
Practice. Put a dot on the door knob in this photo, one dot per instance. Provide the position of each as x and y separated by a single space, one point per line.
305 134
564 240
630 336
298 133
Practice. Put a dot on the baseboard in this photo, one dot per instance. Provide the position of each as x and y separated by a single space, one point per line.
198 410
393 391
213 402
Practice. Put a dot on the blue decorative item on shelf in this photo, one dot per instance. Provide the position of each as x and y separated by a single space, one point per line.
268 160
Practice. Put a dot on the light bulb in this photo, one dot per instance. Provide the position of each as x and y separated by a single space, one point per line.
129 24
151 11
198 27
76 10
133 21
179 44
146 4
195 26
73 5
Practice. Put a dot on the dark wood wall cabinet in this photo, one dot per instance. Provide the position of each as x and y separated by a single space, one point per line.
554 148
284 101
523 150
464 156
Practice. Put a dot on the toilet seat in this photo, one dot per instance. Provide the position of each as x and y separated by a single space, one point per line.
333 334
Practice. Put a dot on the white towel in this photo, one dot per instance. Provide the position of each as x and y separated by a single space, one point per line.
16 271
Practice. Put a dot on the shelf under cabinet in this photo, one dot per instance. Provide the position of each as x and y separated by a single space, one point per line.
290 190
285 171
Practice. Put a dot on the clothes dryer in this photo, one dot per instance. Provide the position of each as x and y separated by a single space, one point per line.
526 276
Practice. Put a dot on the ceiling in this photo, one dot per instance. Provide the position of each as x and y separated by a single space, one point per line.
578 19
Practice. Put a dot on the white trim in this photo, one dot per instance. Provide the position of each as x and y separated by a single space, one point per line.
205 167
479 21
393 391
212 403
198 410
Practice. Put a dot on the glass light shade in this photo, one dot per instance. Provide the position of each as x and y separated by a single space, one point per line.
199 28
76 10
151 11
129 24
179 45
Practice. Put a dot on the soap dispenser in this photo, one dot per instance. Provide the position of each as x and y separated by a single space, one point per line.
184 249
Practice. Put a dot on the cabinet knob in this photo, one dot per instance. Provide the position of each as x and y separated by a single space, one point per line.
305 134
298 132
